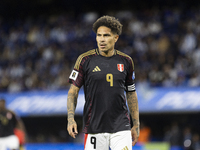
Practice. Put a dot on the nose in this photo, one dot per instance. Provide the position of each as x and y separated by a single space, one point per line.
102 38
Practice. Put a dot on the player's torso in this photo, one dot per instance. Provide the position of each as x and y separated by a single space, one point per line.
104 85
106 72
7 123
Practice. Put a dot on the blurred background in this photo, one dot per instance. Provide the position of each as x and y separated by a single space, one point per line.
40 41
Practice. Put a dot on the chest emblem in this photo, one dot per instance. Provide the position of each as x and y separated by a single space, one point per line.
120 67
9 115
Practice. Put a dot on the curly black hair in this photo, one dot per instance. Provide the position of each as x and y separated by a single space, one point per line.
110 22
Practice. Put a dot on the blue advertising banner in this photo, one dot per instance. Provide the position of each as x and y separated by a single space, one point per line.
169 100
151 100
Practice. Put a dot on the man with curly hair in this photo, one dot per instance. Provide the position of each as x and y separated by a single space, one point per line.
105 74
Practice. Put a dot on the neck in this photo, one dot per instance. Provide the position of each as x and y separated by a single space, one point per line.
108 53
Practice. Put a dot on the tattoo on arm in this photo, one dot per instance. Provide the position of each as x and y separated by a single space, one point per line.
137 130
133 108
72 102
135 121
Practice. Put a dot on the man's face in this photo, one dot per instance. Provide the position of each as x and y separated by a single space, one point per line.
106 39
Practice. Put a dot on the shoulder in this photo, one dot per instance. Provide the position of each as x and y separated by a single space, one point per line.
84 57
125 56
12 112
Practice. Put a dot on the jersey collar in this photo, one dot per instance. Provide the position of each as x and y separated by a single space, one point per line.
97 51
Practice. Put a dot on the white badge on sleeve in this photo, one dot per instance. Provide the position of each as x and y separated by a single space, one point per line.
73 75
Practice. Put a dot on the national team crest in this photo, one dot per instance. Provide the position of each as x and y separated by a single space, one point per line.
120 67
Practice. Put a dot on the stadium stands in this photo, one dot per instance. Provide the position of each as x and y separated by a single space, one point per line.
38 53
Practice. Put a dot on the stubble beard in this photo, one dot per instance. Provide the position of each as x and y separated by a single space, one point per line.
105 51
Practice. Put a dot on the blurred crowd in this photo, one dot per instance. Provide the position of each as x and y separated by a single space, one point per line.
186 137
39 53
178 133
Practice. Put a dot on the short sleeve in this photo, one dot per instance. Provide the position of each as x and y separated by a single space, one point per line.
130 78
76 76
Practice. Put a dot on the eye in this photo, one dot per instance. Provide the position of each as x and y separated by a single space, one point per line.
107 35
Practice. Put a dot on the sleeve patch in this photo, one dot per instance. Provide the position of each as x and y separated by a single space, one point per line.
73 75
133 76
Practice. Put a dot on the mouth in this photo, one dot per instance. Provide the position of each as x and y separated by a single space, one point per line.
102 45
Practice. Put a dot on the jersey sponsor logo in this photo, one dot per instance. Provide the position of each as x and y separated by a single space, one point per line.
96 69
120 67
73 75
3 120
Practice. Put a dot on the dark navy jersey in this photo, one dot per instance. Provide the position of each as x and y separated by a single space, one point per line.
104 79
8 122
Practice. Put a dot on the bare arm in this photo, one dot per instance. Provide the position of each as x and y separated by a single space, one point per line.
134 111
71 106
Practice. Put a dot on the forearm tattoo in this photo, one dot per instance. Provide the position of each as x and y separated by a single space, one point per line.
72 102
133 108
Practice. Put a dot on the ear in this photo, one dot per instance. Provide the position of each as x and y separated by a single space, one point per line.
116 37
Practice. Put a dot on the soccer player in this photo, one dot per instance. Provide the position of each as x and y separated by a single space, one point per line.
8 123
105 74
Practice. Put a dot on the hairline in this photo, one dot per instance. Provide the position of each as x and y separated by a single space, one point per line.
115 33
